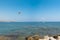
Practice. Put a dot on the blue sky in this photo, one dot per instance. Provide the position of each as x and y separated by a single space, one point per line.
31 10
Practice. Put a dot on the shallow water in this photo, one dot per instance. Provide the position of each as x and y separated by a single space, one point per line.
30 28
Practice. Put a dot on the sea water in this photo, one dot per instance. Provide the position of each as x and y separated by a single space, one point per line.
30 28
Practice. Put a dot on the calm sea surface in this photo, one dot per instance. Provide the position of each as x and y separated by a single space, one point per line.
27 28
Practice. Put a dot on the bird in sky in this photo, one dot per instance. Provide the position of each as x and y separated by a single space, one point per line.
19 12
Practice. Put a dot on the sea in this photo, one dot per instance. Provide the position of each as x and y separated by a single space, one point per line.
29 28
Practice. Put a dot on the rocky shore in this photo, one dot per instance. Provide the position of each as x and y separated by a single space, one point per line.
30 37
47 37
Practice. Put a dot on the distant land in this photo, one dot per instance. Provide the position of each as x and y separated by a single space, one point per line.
7 21
26 21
